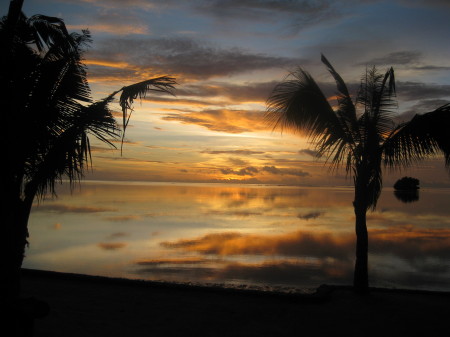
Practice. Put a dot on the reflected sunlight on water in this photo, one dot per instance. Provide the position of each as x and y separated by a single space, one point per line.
256 235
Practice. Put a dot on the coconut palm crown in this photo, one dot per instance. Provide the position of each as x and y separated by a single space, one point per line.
49 118
360 134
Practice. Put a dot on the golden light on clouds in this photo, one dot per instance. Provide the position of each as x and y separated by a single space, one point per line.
106 63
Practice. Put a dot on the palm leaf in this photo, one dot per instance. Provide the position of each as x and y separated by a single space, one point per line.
423 136
66 151
162 84
298 104
346 111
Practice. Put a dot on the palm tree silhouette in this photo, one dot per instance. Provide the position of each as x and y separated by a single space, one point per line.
360 135
48 119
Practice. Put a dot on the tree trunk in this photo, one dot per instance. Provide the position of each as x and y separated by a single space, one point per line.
14 222
361 275
15 231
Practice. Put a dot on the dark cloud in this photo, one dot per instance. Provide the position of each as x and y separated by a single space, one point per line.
235 181
111 245
118 235
420 108
123 218
251 171
248 92
260 8
310 215
247 171
237 161
308 152
61 208
174 261
296 15
443 4
243 214
285 171
396 58
431 67
414 91
180 56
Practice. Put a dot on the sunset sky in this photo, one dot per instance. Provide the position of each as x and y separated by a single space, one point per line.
227 56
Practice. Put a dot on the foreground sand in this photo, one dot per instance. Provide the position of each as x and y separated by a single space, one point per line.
92 306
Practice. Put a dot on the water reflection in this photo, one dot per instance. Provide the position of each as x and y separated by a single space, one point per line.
232 234
407 195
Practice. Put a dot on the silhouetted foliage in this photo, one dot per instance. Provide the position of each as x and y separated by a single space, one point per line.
407 183
362 135
407 189
48 117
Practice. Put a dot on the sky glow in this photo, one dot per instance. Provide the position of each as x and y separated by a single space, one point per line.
227 56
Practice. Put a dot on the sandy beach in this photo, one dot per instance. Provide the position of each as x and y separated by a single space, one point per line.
96 306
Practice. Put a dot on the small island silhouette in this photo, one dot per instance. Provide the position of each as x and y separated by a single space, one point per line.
406 189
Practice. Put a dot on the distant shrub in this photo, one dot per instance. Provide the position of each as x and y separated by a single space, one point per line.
407 183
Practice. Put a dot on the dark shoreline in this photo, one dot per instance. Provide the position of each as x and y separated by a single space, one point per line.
82 305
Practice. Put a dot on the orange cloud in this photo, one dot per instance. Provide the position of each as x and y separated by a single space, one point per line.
222 120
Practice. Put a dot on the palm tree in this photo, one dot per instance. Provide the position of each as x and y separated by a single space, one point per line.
48 120
361 135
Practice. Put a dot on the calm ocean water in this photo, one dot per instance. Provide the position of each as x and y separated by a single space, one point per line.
261 236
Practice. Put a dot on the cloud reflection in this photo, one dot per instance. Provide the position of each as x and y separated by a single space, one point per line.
299 243
308 257
112 245
406 242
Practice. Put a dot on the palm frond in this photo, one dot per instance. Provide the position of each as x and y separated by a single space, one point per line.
377 96
423 136
47 31
162 84
298 104
66 151
346 111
